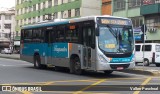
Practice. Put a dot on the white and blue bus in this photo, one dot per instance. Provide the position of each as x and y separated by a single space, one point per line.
95 43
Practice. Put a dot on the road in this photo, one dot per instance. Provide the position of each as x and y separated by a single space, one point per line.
16 72
150 67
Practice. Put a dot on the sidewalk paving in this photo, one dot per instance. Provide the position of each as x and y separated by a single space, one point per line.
137 70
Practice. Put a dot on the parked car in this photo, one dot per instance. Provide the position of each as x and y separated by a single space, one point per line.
6 51
151 53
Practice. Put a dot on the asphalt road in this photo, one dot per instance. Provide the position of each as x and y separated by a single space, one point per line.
16 72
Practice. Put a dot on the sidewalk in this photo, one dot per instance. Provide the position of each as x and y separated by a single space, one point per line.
10 56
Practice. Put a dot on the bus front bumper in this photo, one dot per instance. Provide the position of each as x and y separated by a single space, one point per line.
115 66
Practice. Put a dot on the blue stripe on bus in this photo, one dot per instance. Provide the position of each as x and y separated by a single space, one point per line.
59 50
44 25
122 60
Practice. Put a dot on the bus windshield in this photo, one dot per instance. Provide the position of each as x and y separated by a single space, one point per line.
116 38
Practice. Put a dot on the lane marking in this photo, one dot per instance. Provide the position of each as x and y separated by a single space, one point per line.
89 80
144 83
90 86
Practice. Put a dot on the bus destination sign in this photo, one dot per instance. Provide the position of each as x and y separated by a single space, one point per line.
114 21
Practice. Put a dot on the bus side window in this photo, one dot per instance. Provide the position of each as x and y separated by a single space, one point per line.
60 34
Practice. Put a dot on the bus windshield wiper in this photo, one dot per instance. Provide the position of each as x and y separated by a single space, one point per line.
113 32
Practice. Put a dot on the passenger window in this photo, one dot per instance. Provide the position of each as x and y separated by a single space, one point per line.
147 48
138 47
157 48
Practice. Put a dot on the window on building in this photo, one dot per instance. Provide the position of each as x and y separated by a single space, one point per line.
153 21
38 18
119 5
6 35
29 21
55 2
69 0
0 17
55 15
7 26
25 22
62 14
34 7
77 12
69 13
137 21
134 3
44 17
39 6
26 9
34 20
50 3
44 4
30 9
62 1
7 17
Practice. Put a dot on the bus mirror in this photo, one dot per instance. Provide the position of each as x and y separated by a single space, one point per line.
97 32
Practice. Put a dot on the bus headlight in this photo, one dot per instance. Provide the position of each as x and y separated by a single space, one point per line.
102 59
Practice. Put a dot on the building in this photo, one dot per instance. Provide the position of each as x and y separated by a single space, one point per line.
106 7
7 27
141 12
33 11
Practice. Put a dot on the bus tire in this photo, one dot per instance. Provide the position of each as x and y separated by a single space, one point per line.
157 65
37 62
76 66
108 72
146 62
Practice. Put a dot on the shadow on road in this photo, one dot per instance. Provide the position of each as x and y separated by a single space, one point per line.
96 75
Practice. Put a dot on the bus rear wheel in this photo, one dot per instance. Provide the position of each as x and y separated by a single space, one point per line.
76 66
108 72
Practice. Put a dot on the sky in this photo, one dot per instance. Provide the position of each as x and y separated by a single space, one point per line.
7 3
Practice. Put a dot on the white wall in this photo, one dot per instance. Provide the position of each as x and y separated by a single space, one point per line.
90 7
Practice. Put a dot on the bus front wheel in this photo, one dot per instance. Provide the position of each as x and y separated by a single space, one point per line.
76 68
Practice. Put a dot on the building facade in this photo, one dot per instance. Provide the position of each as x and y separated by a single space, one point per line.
106 7
33 11
137 10
7 28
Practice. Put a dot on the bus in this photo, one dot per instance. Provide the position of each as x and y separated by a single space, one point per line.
93 43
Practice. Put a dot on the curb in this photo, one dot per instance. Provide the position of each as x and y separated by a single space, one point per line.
142 72
15 58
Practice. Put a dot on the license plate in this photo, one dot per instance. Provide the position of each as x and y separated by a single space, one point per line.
120 68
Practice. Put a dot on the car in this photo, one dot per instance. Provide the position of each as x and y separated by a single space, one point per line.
151 53
6 51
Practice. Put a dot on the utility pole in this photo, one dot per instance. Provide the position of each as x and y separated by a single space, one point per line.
143 29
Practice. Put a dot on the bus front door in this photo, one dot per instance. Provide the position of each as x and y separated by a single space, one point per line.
87 47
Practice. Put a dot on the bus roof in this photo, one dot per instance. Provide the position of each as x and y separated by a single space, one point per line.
66 21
